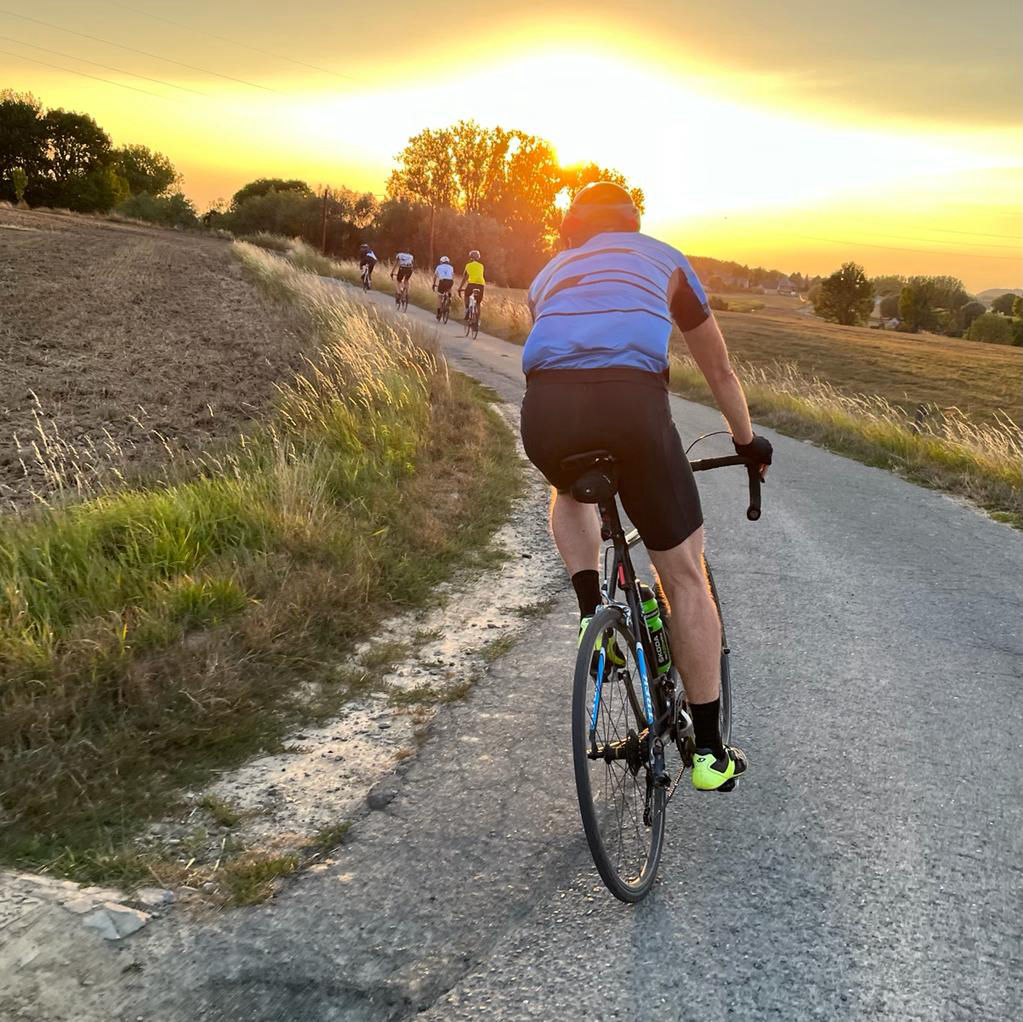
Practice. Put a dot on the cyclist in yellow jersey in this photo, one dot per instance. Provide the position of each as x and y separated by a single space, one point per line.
472 280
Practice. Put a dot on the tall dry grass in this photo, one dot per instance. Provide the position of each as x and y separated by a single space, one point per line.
947 449
940 447
148 635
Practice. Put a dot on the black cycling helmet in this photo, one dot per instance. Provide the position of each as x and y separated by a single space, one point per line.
364 247
599 207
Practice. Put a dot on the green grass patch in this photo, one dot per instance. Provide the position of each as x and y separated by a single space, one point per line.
223 814
150 636
254 877
497 648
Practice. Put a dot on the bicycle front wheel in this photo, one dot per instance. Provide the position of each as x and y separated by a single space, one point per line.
622 808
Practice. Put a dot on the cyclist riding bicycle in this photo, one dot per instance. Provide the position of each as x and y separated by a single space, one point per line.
443 278
404 263
367 260
596 365
472 281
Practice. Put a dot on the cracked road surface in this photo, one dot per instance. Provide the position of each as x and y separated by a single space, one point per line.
869 866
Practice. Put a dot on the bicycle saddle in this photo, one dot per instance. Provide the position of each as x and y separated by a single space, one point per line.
594 475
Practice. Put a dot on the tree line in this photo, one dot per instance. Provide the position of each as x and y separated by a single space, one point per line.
64 159
939 304
452 189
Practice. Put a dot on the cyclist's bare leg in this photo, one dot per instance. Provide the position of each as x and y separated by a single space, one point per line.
576 531
695 628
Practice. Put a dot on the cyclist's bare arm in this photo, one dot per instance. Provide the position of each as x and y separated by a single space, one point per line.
707 346
464 281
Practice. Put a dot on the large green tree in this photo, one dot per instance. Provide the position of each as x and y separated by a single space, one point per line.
143 170
426 170
76 144
933 303
846 297
1004 303
22 139
265 185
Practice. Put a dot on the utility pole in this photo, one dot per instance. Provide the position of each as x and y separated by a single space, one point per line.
323 223
433 211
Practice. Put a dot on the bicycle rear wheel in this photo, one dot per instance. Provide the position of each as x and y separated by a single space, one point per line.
622 809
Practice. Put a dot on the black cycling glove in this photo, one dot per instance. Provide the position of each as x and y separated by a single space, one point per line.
758 449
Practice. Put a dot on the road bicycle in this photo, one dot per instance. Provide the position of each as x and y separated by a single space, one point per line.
472 319
366 273
632 736
444 308
401 296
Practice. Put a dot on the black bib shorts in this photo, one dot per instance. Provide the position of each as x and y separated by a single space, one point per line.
626 412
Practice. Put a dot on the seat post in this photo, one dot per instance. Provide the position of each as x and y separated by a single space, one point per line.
610 522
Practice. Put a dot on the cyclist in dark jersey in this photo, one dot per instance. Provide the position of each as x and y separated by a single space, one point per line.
596 365
367 260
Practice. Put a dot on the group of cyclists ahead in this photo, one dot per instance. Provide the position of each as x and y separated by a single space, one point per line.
472 285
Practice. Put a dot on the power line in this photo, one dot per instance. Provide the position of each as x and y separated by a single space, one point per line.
144 53
107 67
900 248
83 74
974 234
935 241
235 42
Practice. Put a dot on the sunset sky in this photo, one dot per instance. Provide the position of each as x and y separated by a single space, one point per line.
794 135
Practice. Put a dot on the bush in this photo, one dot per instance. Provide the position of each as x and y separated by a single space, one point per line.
169 210
717 303
992 329
1004 303
271 242
890 307
293 214
846 297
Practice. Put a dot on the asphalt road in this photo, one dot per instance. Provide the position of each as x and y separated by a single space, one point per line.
870 865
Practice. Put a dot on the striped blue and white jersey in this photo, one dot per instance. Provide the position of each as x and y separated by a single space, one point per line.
605 305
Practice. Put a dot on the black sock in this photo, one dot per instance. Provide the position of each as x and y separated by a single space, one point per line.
706 729
587 591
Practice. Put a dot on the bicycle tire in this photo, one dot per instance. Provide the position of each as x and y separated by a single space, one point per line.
649 836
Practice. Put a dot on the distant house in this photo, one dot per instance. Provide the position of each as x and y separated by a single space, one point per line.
739 283
786 287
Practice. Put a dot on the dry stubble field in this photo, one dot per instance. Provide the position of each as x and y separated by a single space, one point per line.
129 331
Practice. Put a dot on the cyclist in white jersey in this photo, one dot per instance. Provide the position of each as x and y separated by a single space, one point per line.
443 278
404 263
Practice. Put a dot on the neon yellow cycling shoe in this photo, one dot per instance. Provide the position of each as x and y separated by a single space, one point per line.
713 773
614 654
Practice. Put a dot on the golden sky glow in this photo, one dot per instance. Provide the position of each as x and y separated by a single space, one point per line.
784 140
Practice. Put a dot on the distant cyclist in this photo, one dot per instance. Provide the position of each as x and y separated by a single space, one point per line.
472 281
367 260
443 279
404 263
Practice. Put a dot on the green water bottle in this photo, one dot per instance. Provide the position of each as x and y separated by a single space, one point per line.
658 633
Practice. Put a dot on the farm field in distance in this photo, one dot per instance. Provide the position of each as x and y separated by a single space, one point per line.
130 331
906 369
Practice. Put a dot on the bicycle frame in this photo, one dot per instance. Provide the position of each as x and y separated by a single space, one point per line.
623 576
